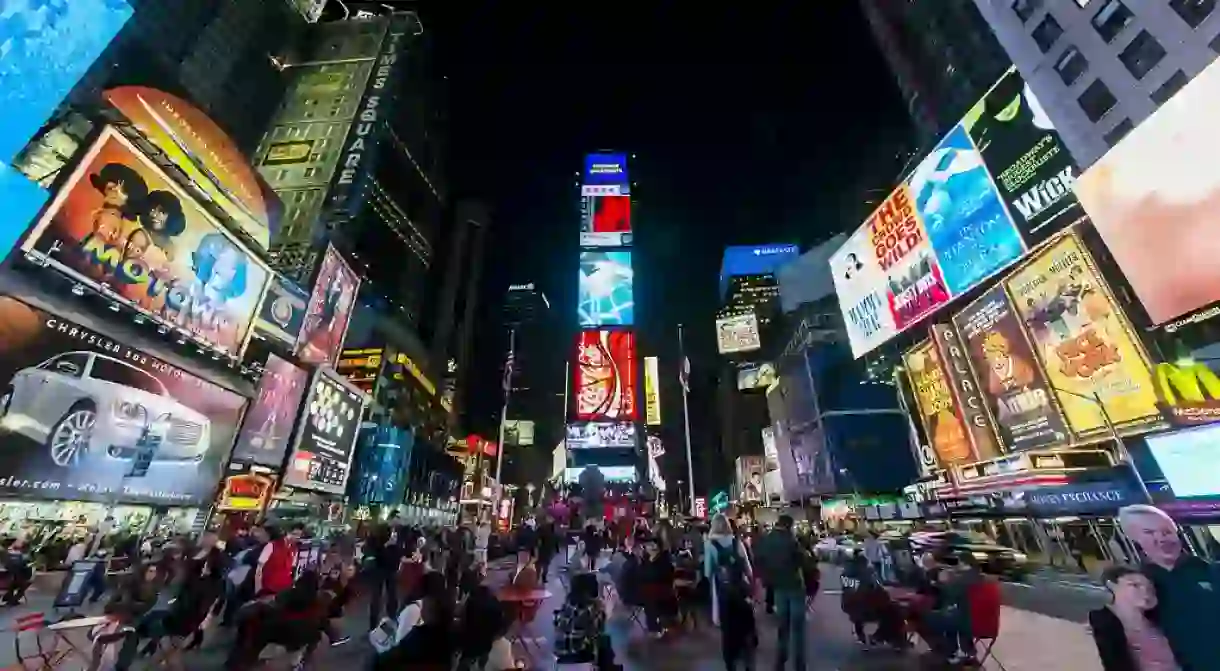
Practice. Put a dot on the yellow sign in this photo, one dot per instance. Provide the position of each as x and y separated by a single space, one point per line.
652 391
285 153
1189 392
938 411
1083 340
415 372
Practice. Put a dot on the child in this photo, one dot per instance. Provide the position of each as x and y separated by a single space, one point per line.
580 626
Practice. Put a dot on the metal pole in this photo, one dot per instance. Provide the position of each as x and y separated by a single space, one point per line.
508 390
1122 447
690 465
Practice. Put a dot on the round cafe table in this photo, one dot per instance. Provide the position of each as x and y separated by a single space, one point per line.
525 608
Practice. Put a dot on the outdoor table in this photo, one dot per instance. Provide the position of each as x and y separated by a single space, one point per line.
526 603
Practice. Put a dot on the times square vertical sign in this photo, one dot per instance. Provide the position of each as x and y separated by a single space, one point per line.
356 160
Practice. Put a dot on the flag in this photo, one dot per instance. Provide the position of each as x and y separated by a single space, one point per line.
684 375
508 373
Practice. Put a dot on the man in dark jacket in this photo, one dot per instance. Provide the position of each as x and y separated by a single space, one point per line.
548 545
781 564
865 600
382 573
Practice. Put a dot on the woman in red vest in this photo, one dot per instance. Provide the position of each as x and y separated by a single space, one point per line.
277 563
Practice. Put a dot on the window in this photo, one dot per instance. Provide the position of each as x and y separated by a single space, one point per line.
1118 132
1193 12
1025 9
1096 101
1142 54
1071 65
1047 33
1111 19
1170 87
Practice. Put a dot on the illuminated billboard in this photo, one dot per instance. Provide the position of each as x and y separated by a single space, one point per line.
48 46
329 310
120 226
755 260
605 221
606 296
267 427
326 433
605 381
583 435
615 474
652 391
206 154
737 334
605 174
1153 198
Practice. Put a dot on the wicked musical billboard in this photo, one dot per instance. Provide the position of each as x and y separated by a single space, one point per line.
1009 375
88 418
1086 345
120 226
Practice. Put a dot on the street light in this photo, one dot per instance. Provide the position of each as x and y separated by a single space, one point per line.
1124 453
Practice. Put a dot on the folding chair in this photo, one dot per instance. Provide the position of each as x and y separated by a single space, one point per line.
985 601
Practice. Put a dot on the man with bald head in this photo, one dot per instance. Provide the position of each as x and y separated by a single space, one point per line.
1187 587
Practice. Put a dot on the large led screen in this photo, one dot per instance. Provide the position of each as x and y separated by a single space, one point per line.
605 375
605 170
1087 348
606 292
205 153
605 221
89 418
329 311
1187 458
326 431
121 226
267 429
1033 171
611 474
583 435
1154 197
48 46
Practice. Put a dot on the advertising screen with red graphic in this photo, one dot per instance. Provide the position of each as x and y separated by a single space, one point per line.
605 375
607 214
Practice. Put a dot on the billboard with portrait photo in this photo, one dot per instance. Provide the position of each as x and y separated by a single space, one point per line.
606 289
89 418
121 226
938 410
1084 341
860 287
966 222
1009 374
1154 197
267 429
330 309
1033 171
326 433
582 435
605 384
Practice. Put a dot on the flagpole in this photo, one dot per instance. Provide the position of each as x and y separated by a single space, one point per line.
684 376
508 391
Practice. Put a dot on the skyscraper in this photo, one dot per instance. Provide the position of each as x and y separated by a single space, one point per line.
943 57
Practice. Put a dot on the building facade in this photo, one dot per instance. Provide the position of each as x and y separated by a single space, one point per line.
942 56
1101 67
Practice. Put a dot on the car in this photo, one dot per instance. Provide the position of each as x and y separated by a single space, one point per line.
80 403
835 548
992 558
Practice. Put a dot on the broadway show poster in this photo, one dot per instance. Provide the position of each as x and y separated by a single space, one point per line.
88 418
1084 341
330 310
283 310
120 225
1032 170
966 392
1009 374
962 213
267 430
938 411
914 283
860 287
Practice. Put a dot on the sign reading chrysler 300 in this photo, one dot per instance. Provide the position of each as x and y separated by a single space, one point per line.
122 227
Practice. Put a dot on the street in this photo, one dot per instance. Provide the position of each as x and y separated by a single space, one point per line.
1041 630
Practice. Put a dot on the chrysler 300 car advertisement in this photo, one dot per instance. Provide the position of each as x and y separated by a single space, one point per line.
86 417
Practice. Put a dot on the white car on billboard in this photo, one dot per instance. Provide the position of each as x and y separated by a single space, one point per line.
79 403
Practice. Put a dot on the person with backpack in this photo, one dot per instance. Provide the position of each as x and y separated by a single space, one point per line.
726 563
782 564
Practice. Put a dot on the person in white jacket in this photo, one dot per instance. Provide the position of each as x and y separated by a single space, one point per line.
482 536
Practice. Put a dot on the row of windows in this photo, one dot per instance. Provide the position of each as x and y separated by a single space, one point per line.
1140 55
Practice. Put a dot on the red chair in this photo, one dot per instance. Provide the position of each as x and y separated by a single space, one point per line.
985 601
46 651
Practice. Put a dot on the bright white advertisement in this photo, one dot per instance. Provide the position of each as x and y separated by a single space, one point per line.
858 282
737 334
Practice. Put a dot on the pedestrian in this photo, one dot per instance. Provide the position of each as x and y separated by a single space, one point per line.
548 545
277 561
1127 638
482 537
874 553
657 580
728 569
382 559
781 563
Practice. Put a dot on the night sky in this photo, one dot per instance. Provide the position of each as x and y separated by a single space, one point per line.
747 126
